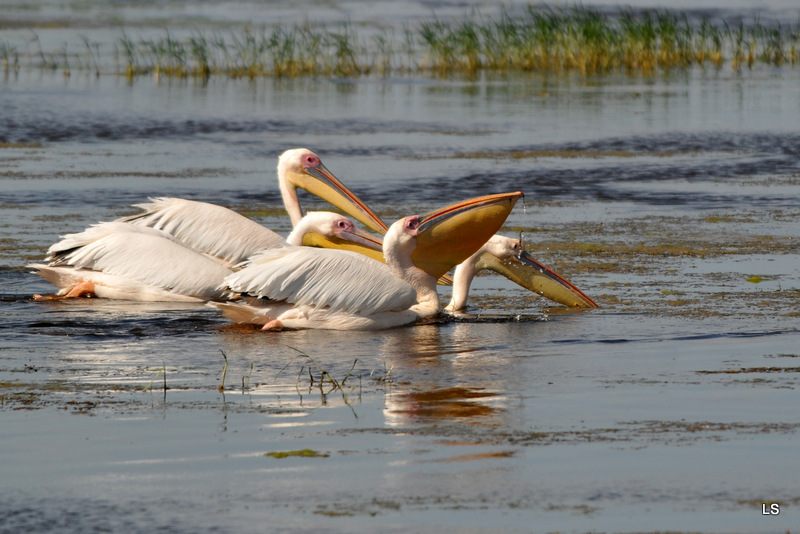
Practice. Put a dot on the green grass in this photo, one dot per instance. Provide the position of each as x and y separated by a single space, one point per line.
546 39
588 41
297 51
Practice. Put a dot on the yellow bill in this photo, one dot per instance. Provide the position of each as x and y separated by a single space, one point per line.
526 271
319 181
354 241
448 236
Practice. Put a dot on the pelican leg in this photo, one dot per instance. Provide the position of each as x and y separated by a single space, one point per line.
83 289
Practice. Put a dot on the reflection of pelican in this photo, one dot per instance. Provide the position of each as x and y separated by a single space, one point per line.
320 288
232 238
133 262
446 375
506 256
407 407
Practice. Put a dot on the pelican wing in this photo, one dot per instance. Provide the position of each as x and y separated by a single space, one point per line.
214 230
336 279
143 254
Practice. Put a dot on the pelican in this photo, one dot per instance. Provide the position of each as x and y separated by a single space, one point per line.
132 262
506 256
301 168
232 238
342 290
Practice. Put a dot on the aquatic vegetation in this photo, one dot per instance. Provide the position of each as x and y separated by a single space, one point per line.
740 370
224 371
323 374
303 453
246 378
296 51
538 38
589 41
160 372
9 56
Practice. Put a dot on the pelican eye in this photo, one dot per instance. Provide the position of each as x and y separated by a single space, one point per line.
412 223
310 160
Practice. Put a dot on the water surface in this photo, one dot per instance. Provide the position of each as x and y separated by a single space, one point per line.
670 408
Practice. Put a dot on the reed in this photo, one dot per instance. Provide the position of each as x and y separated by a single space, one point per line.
589 41
161 372
9 57
221 387
323 375
92 55
547 39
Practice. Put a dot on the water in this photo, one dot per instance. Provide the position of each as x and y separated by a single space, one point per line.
672 407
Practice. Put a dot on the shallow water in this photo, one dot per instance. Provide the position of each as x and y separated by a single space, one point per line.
670 408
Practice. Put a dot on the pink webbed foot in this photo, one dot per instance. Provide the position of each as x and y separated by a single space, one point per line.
84 289
273 326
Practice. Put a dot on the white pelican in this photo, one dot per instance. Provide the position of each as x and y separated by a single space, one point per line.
321 288
301 168
232 238
132 262
506 256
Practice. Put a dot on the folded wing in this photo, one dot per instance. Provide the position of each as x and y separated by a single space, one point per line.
214 230
335 279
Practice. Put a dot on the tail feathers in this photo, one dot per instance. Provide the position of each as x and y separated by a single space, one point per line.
64 279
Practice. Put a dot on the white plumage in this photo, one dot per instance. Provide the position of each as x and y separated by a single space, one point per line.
506 256
333 289
213 230
134 263
338 279
230 237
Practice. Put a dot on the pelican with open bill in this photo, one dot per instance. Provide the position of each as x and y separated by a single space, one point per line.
483 215
324 288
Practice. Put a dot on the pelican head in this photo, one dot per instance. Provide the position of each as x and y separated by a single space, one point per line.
325 229
506 256
420 249
301 168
